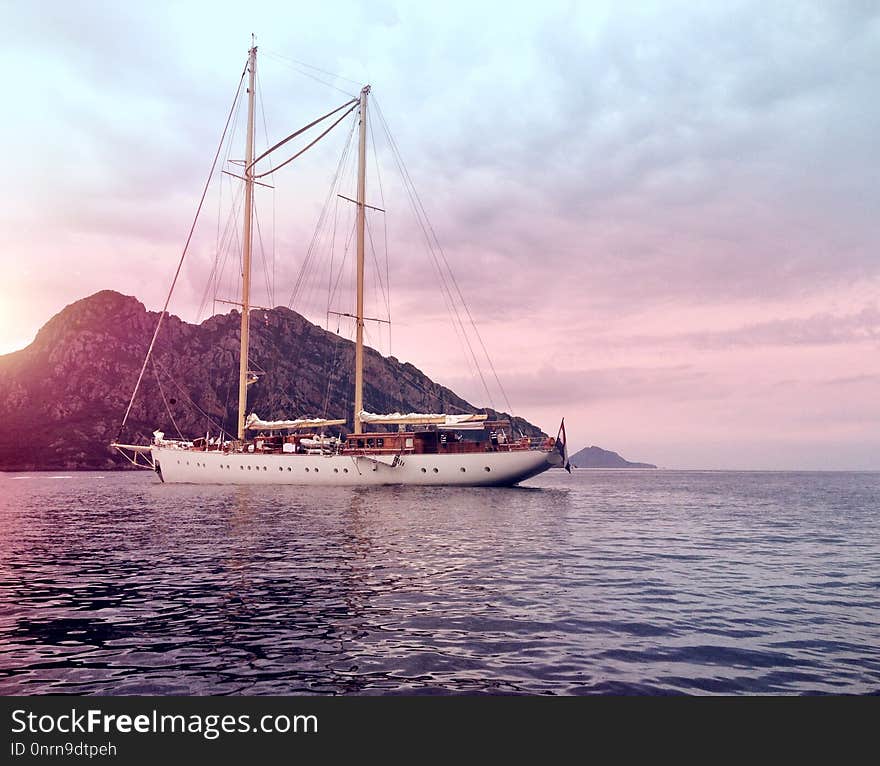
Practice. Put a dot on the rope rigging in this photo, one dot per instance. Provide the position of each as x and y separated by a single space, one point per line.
295 66
448 298
384 231
428 227
192 403
304 270
165 401
182 255
327 232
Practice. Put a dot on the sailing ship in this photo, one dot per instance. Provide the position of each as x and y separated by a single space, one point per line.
382 449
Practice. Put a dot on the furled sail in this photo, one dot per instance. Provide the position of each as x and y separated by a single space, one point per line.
412 418
254 423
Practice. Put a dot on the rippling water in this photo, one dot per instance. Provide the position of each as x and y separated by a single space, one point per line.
605 581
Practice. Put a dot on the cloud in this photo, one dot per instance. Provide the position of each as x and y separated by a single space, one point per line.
549 386
651 153
817 330
709 153
854 380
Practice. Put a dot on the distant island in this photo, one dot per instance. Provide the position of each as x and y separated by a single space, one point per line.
596 457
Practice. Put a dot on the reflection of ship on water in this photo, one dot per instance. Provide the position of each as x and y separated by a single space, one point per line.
273 590
290 603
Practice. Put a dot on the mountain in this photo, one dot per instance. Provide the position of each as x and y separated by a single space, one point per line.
62 398
596 457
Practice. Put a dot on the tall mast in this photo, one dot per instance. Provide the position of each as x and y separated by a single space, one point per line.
361 201
246 246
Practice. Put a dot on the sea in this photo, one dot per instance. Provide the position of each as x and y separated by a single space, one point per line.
600 582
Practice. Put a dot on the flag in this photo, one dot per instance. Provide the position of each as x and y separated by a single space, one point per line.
561 447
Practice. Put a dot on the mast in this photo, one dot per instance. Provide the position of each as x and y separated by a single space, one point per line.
361 202
246 246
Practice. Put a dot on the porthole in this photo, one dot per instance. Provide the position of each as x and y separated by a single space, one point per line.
436 471
424 470
178 462
462 469
242 467
307 470
487 469
187 462
335 470
249 468
344 470
316 470
280 467
375 468
265 468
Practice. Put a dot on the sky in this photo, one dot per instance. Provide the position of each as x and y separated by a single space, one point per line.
663 216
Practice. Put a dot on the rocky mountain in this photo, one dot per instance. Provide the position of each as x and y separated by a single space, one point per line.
596 457
62 398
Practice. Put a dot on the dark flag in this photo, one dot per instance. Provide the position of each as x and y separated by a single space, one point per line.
561 447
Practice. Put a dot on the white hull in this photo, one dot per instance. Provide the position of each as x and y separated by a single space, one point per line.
462 470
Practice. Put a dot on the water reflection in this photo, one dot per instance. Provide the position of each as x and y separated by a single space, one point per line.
603 582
